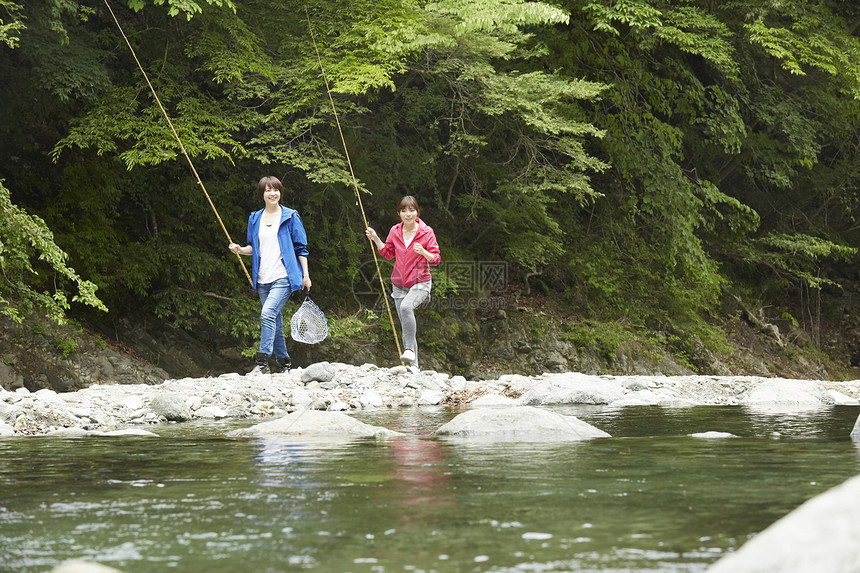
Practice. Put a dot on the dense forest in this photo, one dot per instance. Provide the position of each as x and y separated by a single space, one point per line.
637 160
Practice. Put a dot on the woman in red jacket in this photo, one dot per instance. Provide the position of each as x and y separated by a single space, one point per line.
412 244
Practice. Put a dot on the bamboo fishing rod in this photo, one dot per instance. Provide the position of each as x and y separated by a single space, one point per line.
354 184
178 139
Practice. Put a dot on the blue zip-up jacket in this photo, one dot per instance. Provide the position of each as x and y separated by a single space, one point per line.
291 238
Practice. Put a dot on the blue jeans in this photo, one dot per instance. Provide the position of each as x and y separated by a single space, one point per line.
273 295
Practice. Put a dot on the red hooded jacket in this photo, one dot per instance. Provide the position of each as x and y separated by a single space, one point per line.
410 267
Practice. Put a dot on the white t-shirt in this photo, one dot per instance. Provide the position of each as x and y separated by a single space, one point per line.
271 266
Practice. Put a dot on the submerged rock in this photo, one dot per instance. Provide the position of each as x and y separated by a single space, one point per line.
521 423
713 435
83 567
820 535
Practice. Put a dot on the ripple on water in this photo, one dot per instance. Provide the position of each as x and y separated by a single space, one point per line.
652 498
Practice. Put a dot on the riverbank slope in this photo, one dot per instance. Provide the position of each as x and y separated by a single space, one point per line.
520 334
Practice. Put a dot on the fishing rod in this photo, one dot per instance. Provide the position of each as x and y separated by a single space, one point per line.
178 139
354 183
203 187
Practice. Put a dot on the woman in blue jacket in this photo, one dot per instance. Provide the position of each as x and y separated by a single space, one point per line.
278 247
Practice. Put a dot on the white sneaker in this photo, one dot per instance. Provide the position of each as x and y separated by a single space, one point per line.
407 356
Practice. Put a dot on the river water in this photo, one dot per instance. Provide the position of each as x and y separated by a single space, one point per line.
651 498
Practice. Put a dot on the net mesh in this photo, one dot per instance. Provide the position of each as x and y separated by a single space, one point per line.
309 324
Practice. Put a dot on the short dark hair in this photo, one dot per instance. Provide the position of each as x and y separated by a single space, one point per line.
269 181
407 201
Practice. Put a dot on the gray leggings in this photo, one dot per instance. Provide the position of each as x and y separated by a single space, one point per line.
406 301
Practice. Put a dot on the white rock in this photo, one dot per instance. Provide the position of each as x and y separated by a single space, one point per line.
519 423
82 413
133 402
299 397
841 399
320 372
371 399
493 400
781 394
458 384
48 396
264 406
820 535
69 432
573 388
431 398
118 433
6 429
516 382
211 413
713 434
83 567
139 413
637 398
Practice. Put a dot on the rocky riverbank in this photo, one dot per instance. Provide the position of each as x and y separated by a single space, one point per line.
104 409
525 335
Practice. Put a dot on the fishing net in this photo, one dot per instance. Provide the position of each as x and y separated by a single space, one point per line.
309 324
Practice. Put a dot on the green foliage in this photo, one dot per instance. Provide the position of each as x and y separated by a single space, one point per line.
176 7
201 124
493 16
12 24
804 36
604 337
799 256
351 326
67 344
687 28
639 154
30 261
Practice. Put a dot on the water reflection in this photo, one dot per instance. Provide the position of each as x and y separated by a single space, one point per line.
651 498
421 480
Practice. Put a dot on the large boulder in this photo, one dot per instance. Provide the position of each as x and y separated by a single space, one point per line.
784 394
573 388
316 423
318 372
519 423
820 535
172 406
